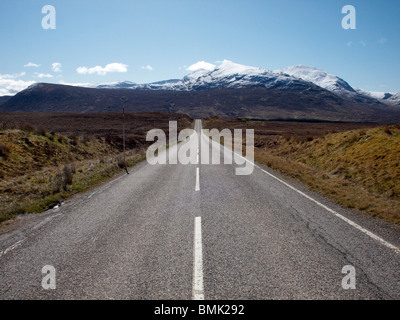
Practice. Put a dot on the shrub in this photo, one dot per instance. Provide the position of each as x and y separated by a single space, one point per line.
74 139
54 136
68 176
287 137
121 162
4 151
387 130
86 139
41 131
351 138
27 127
58 182
299 139
362 132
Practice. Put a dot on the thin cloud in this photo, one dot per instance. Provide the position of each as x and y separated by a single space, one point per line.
382 40
201 65
148 67
56 66
109 68
12 76
363 43
31 64
43 75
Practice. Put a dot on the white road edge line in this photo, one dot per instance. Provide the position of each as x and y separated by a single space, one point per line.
197 188
11 248
198 287
350 222
106 186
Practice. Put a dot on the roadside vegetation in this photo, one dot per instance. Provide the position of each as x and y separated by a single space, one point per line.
40 169
358 169
47 157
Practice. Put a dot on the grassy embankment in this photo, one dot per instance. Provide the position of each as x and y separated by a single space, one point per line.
358 169
39 169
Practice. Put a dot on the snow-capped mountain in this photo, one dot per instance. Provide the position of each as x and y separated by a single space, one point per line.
234 76
228 75
321 78
338 85
392 98
117 84
229 90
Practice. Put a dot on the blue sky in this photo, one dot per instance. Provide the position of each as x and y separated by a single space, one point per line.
151 40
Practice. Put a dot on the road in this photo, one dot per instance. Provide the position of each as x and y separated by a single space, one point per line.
201 232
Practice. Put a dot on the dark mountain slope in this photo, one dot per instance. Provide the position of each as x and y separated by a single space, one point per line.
3 99
303 101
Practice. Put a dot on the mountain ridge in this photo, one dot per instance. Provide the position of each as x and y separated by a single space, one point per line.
229 90
233 75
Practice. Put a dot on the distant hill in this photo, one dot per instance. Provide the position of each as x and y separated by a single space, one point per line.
4 99
302 102
230 90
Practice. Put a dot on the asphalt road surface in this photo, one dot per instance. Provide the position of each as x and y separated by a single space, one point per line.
200 231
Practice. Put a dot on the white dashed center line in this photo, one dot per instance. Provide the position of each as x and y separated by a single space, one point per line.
197 188
198 287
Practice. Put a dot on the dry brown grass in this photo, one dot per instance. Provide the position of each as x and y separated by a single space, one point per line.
358 169
4 151
47 157
42 170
